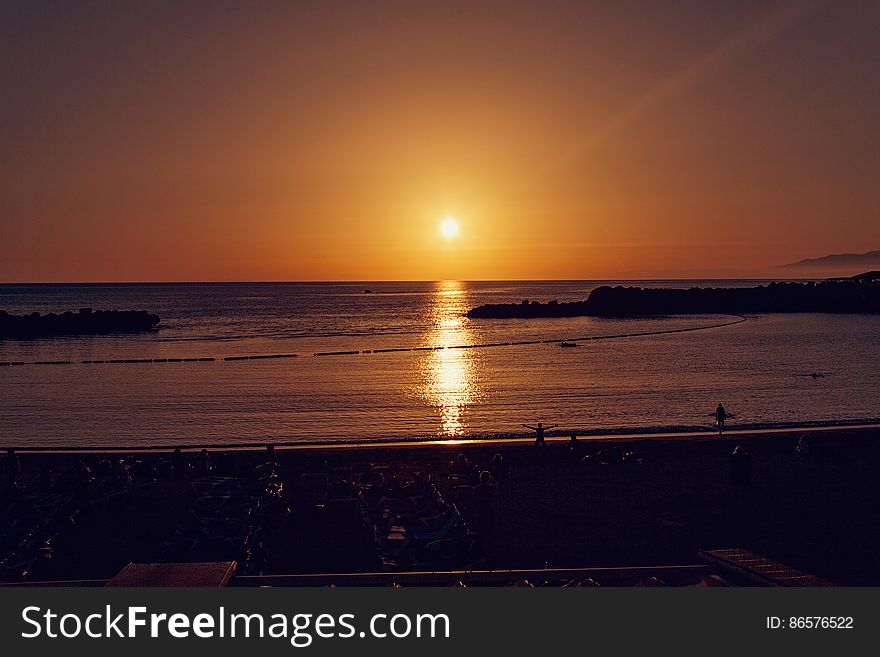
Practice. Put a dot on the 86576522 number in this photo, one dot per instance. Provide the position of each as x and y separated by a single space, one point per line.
810 623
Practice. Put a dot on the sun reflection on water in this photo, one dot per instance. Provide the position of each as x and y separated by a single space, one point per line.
448 373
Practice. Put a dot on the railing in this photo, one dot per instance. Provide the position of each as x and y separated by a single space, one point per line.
611 576
490 577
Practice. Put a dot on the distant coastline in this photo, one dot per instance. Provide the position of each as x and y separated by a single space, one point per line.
838 261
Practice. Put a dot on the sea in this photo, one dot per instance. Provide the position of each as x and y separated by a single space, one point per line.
396 361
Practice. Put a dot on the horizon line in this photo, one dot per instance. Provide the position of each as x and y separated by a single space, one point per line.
405 280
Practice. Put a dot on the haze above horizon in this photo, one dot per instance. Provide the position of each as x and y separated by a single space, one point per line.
477 141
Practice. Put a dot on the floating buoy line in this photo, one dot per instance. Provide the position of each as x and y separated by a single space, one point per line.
356 352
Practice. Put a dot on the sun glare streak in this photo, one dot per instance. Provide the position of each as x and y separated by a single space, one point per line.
449 374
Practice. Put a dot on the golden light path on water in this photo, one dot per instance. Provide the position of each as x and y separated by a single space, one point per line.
449 375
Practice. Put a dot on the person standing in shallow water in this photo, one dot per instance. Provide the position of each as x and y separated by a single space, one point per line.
539 432
720 417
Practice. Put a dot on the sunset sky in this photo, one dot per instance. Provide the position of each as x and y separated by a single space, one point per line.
328 140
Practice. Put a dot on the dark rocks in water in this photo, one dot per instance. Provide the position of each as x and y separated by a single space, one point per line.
529 310
84 322
832 296
824 297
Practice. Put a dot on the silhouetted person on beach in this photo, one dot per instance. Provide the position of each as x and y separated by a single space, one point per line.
13 468
539 432
204 462
720 417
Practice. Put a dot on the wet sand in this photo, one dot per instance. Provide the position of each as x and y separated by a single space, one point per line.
668 498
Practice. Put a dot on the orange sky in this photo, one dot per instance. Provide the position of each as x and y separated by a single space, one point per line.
276 141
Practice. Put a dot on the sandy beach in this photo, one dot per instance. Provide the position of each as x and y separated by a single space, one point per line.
637 501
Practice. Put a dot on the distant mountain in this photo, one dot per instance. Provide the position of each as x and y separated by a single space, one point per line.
839 261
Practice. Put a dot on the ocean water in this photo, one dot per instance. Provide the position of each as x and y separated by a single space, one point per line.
437 384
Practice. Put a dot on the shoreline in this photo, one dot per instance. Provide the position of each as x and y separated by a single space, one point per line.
654 435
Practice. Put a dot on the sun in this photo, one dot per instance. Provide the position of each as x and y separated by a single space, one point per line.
449 228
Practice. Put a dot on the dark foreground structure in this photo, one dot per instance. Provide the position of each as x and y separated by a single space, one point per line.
84 322
860 294
645 512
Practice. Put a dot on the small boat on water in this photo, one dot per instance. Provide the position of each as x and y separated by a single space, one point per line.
568 344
